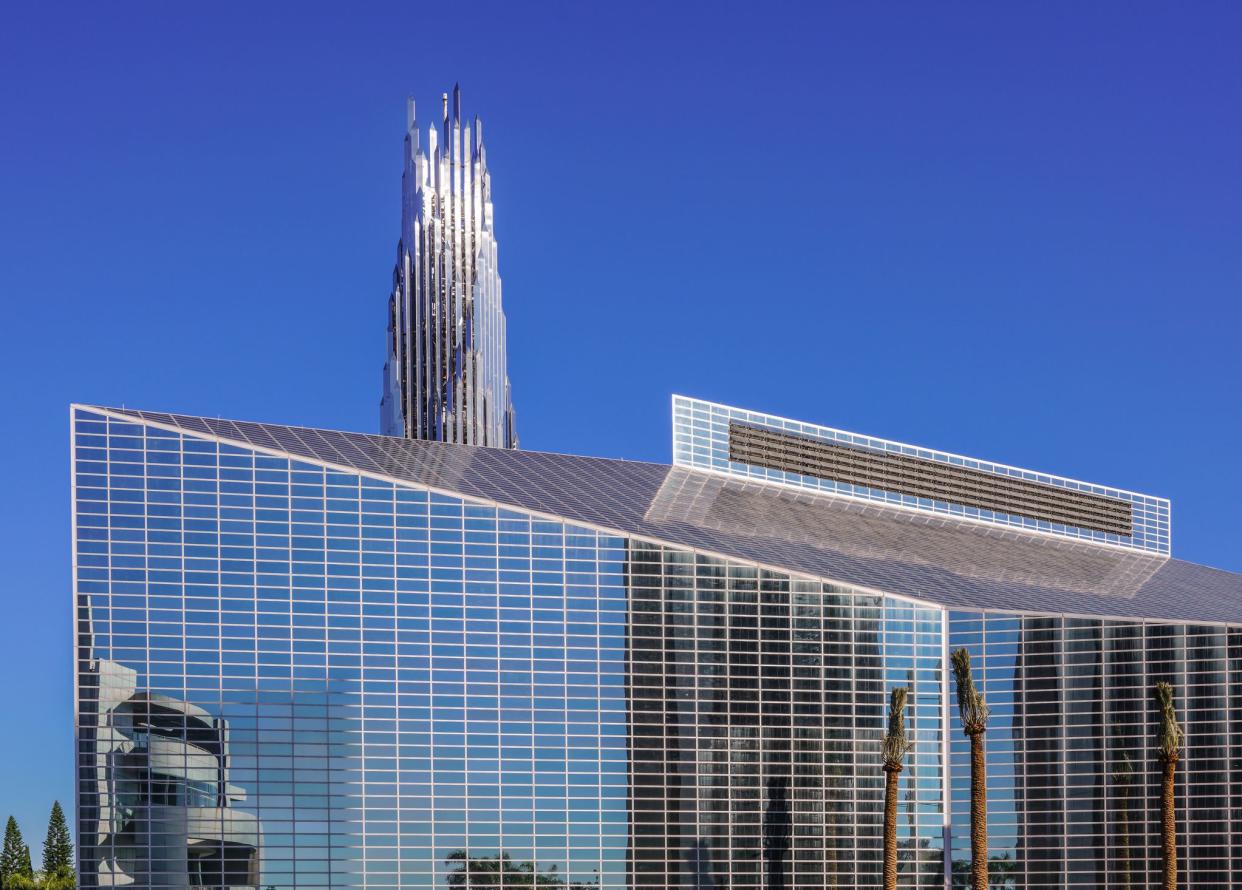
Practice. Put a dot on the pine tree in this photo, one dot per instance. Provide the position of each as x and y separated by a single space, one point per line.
14 857
57 848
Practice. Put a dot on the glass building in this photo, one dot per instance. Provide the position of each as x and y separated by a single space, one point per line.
329 660
445 375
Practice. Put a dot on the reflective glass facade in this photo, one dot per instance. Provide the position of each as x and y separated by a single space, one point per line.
1073 777
307 678
294 675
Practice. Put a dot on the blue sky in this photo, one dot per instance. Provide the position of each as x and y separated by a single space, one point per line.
1006 232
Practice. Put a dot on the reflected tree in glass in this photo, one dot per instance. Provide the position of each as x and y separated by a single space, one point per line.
777 829
896 744
1168 752
974 713
1123 779
468 872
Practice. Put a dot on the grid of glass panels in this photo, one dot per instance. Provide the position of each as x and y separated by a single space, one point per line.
701 440
757 708
1073 777
289 676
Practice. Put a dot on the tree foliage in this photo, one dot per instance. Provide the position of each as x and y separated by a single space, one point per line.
1171 735
970 704
896 744
57 847
15 870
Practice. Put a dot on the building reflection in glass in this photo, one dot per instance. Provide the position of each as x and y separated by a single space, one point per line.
755 710
1073 781
155 771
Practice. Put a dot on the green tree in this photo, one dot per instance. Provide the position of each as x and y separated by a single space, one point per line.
15 870
26 877
57 850
1169 752
895 747
974 713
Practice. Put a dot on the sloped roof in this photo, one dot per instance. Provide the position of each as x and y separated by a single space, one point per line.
936 559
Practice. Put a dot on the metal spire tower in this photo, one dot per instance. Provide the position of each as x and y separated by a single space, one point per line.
446 375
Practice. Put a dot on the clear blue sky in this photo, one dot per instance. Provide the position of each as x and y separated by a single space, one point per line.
1012 233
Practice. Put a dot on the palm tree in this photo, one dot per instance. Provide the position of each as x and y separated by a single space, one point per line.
974 712
1169 752
895 747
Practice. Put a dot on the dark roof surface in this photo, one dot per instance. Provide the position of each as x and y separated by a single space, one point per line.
956 563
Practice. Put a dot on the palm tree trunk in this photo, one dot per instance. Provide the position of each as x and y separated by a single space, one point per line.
891 775
1169 823
978 814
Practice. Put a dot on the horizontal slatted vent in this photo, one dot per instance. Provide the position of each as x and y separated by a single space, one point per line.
915 477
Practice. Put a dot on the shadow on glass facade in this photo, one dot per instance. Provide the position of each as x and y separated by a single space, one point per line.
290 675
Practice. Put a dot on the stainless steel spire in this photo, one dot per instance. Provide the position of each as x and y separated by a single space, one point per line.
446 375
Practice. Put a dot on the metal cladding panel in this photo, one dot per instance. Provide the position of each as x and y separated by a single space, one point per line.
925 556
932 480
772 449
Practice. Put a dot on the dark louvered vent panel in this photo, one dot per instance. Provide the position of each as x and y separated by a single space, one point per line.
915 477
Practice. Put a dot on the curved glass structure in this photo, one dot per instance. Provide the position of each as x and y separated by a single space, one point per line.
313 659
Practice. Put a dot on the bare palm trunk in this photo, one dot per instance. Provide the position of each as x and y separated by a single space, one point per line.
978 813
891 774
1169 822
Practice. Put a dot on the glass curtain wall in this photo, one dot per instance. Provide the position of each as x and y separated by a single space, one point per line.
293 677
757 705
1073 778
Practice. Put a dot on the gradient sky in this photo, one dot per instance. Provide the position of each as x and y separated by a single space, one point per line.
1010 233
